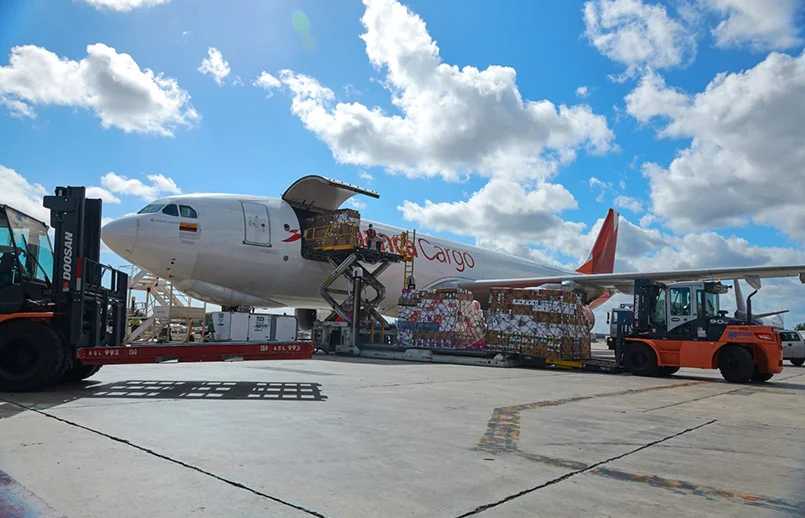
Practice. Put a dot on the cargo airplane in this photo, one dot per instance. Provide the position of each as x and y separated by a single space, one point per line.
243 250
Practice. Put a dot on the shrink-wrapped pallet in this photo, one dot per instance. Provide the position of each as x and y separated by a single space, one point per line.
440 319
542 323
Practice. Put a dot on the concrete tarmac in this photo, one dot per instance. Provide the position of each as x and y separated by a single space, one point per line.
339 437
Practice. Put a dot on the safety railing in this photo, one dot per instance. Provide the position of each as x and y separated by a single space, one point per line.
331 238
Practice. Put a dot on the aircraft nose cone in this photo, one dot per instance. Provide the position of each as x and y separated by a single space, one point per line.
120 236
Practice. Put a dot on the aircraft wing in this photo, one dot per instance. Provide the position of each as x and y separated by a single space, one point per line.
624 282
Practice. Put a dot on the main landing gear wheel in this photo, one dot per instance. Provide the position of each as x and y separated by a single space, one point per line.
31 356
639 359
736 364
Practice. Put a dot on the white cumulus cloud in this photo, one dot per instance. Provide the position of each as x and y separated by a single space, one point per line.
17 192
21 194
123 5
158 186
582 91
110 84
356 204
502 209
267 82
215 65
638 34
629 203
758 24
745 158
453 121
103 194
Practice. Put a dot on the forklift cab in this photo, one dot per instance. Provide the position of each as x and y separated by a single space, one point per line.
689 311
26 257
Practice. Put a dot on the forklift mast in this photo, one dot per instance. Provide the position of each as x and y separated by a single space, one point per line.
94 314
646 293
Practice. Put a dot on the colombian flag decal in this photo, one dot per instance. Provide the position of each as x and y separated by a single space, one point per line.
188 227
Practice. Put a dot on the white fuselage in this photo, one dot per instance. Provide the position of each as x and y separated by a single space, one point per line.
248 251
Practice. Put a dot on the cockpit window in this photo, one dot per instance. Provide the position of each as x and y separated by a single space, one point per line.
187 212
170 210
150 209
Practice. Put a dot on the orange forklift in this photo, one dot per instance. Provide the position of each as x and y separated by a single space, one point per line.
681 325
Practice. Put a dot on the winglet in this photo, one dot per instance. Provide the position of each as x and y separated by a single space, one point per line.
601 258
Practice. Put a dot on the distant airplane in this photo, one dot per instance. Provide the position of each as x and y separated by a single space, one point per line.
243 250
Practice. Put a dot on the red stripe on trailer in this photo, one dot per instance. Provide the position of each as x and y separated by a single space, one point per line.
195 353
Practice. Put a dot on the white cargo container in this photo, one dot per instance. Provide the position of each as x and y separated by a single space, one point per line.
253 327
284 328
259 328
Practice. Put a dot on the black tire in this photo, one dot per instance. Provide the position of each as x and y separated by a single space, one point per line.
639 359
761 377
797 361
32 356
665 372
79 372
736 364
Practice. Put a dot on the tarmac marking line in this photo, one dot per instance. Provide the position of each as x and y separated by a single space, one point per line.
590 468
694 399
503 434
171 459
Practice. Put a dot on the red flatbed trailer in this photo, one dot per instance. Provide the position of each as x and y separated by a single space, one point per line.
209 352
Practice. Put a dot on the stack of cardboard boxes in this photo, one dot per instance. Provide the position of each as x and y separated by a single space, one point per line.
542 323
440 319
339 229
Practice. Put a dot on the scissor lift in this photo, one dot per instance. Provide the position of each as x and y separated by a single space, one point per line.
352 267
359 266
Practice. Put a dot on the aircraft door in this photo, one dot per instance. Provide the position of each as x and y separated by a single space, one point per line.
257 228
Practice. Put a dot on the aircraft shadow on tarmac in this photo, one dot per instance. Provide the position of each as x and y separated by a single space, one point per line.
12 404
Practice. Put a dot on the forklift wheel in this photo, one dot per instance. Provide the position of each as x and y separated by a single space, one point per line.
31 356
760 377
664 372
639 359
736 364
79 372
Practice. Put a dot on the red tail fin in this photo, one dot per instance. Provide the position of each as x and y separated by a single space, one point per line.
602 255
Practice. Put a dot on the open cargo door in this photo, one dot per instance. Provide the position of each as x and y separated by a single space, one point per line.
318 194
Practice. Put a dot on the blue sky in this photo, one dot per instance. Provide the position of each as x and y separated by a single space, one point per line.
683 163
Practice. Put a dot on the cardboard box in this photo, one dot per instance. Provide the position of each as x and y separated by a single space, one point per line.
543 323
